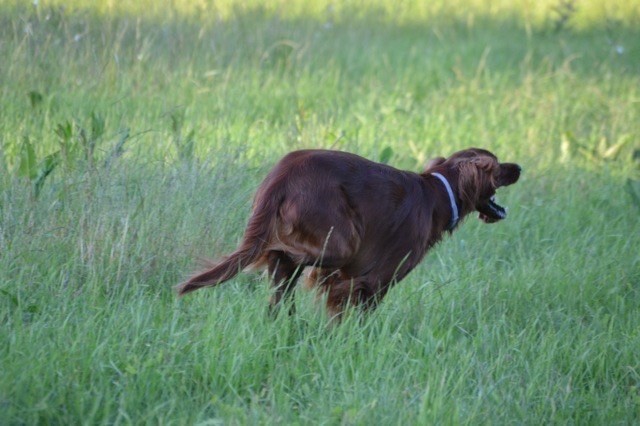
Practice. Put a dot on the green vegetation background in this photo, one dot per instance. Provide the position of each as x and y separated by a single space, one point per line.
132 137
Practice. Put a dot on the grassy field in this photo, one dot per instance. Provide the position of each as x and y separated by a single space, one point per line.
133 135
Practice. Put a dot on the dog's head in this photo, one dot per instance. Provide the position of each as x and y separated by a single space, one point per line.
479 175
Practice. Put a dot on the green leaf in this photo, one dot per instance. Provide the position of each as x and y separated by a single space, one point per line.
97 126
386 155
64 131
27 163
46 167
177 120
65 134
613 151
35 98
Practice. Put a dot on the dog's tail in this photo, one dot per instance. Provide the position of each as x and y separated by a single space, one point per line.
256 238
220 272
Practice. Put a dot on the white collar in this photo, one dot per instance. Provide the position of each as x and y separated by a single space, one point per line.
452 200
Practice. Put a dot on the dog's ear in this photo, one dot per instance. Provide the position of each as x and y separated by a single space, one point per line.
488 164
433 163
476 176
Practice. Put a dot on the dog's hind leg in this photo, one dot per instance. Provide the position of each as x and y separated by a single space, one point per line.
344 292
285 273
360 292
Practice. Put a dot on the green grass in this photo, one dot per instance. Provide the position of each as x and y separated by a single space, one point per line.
132 138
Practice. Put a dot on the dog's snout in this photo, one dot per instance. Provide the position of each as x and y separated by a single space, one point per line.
513 167
517 169
509 174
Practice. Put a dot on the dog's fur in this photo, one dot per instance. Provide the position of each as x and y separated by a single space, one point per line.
360 225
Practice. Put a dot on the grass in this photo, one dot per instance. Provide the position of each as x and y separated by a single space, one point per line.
132 138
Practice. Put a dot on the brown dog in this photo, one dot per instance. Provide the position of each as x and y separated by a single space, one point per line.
361 226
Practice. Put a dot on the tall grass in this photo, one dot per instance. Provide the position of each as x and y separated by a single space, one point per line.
134 133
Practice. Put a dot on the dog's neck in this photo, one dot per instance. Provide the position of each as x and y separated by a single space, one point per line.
455 217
